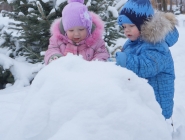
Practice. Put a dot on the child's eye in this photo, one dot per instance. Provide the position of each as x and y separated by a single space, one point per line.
81 29
123 27
132 25
70 30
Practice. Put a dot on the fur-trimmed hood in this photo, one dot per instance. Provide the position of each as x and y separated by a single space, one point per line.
96 32
156 29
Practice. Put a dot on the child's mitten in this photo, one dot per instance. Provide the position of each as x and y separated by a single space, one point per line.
121 59
111 59
54 57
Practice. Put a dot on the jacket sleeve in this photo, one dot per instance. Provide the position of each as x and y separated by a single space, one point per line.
149 62
100 51
172 37
54 48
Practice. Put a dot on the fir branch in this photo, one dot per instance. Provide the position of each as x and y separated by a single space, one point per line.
9 13
39 6
31 52
14 28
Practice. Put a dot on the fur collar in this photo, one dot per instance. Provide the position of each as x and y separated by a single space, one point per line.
158 27
92 39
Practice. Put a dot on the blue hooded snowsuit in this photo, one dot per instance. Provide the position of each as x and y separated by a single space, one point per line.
150 57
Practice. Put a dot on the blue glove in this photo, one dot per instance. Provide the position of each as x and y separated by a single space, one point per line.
121 59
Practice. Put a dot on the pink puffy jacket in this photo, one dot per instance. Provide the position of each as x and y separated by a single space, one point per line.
92 48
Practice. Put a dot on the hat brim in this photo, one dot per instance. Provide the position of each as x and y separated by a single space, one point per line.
122 19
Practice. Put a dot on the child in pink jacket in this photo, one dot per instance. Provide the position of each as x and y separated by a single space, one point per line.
78 32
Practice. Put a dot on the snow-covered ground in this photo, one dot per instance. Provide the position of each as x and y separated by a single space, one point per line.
72 99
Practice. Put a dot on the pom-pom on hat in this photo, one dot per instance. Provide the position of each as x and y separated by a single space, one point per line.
135 12
75 13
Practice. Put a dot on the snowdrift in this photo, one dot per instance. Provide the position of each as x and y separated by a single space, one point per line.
72 99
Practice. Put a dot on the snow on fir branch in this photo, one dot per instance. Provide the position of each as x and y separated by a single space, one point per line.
41 10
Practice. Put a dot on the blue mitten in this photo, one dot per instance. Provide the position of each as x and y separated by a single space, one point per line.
121 59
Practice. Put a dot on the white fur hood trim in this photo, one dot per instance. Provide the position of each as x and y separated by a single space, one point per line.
158 27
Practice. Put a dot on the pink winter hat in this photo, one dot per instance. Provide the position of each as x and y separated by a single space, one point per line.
75 13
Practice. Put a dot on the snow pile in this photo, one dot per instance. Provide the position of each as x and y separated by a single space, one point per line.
23 72
72 99
10 104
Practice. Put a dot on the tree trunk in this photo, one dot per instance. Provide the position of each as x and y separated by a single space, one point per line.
6 6
170 5
164 5
181 6
159 4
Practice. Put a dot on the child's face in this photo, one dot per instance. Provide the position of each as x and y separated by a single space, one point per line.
131 31
77 34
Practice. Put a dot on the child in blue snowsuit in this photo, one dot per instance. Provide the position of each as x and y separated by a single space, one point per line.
146 52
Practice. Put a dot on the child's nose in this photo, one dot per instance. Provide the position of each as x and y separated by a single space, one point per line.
126 29
76 33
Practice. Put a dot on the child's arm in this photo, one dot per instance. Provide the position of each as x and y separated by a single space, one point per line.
148 63
54 57
101 52
172 37
54 50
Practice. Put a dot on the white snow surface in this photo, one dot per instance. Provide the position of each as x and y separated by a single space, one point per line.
23 72
75 99
120 3
113 10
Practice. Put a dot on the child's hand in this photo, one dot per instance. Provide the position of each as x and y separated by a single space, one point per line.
121 59
54 57
111 59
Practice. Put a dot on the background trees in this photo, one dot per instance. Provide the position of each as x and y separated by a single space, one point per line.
29 33
169 5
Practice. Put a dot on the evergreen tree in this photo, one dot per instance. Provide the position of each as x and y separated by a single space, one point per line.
5 77
35 18
108 13
29 34
30 30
